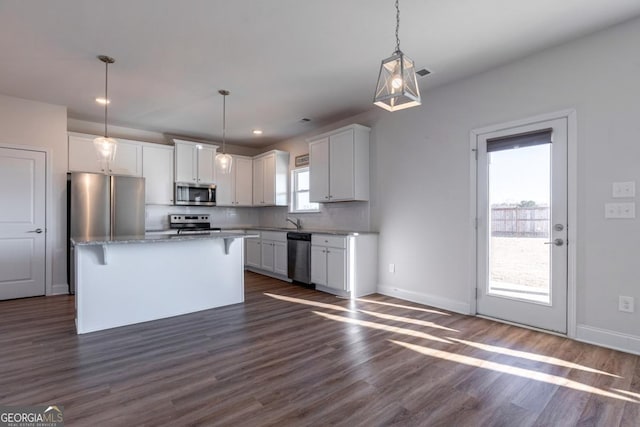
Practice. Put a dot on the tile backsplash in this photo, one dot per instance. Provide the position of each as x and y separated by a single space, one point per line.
157 217
347 216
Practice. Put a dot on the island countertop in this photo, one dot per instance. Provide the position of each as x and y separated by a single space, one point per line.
151 238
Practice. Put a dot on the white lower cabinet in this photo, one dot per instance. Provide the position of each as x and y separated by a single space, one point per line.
268 254
280 258
253 257
345 265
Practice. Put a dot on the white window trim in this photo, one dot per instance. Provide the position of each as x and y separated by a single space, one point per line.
292 205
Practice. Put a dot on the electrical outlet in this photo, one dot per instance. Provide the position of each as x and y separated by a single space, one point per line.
625 304
392 268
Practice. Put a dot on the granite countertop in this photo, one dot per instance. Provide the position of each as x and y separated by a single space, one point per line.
158 238
282 229
305 230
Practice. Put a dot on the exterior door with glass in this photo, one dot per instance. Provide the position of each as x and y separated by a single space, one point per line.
522 224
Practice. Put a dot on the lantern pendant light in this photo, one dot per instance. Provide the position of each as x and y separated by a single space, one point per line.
105 146
397 87
224 160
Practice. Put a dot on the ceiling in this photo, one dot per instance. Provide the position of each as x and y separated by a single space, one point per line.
282 60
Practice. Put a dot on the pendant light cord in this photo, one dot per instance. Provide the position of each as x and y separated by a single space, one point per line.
106 98
224 123
397 26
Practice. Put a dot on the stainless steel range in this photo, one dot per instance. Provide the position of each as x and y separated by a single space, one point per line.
186 223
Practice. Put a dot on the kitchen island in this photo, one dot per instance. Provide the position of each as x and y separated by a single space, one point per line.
132 279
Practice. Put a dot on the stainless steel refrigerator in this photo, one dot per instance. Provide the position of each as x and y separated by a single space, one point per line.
101 206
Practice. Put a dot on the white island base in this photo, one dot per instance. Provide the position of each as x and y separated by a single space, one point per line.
126 281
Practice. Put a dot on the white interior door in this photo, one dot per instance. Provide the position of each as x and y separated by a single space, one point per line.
22 223
522 225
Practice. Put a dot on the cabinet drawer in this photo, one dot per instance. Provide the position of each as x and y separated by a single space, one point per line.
278 236
327 240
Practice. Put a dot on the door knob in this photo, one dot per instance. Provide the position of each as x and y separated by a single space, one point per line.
37 230
556 242
558 227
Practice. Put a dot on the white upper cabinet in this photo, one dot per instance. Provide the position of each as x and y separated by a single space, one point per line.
206 161
157 169
235 188
244 180
186 163
339 165
83 157
270 178
194 163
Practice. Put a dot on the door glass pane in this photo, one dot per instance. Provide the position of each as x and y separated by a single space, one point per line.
520 215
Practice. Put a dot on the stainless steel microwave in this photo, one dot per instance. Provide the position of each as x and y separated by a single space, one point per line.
195 194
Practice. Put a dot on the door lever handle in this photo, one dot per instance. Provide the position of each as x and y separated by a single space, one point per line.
556 242
37 230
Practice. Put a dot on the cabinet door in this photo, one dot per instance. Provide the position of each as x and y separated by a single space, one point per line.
253 258
225 187
319 265
244 181
157 169
267 255
337 269
341 165
206 171
83 156
186 166
128 160
258 177
269 179
280 258
319 170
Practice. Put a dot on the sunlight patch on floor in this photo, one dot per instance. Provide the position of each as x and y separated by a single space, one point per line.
308 302
512 370
531 356
382 327
390 304
407 320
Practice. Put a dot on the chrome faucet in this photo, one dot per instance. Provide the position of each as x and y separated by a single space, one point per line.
296 223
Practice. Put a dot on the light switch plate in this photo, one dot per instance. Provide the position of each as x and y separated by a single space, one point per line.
623 190
619 210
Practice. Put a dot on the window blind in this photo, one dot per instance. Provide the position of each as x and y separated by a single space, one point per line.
522 140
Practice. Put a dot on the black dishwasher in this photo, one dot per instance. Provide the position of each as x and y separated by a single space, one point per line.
299 257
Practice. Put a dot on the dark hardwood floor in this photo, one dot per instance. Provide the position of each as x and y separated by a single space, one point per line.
292 356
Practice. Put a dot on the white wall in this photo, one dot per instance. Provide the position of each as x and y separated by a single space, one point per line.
36 124
421 202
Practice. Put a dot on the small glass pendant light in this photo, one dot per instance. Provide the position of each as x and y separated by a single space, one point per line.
224 160
106 147
397 87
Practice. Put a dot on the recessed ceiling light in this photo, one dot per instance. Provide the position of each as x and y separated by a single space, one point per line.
257 132
103 101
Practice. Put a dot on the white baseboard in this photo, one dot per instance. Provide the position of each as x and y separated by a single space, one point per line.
609 339
422 298
60 289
